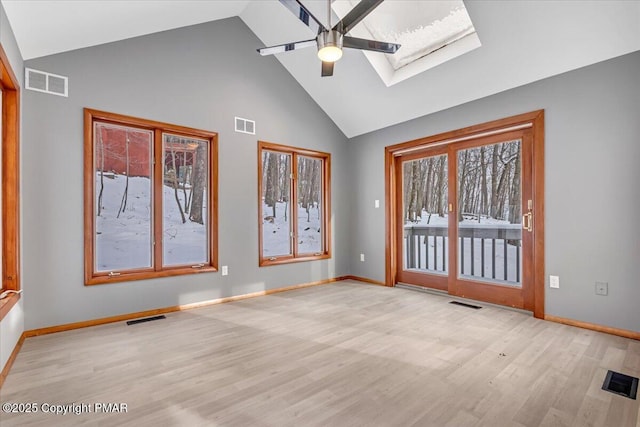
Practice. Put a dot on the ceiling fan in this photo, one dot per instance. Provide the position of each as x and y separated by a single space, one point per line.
330 41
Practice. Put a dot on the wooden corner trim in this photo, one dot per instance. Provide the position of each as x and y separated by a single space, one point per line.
594 327
12 358
365 280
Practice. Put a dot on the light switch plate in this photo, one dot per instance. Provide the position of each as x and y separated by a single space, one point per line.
554 281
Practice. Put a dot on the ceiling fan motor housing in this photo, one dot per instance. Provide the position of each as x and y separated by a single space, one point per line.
329 38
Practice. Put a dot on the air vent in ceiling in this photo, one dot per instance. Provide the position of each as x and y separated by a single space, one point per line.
41 81
245 126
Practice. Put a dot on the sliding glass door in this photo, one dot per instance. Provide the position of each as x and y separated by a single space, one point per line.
464 212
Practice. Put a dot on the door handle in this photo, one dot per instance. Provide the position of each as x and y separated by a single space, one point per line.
527 221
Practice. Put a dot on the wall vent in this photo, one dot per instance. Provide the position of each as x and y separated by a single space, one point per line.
41 81
245 126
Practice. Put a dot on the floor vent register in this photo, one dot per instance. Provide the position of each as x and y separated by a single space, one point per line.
145 319
621 384
464 304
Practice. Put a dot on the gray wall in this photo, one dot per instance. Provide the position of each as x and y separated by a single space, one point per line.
12 325
200 76
591 172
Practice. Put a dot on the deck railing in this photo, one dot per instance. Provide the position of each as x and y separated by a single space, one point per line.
485 250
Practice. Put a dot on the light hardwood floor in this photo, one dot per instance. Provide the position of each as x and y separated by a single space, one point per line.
344 354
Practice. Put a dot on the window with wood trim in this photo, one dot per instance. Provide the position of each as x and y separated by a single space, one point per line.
1 204
150 199
10 187
294 204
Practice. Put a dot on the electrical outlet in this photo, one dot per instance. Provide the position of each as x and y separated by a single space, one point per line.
554 281
376 204
362 257
225 270
602 288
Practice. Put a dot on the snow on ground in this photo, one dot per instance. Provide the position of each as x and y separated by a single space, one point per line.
434 263
184 243
126 242
275 232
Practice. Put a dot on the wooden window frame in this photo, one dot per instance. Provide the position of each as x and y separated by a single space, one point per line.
158 129
10 146
326 194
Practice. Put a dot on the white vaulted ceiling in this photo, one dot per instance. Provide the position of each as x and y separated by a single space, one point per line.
521 42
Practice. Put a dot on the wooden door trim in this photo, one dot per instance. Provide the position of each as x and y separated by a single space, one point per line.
538 215
534 120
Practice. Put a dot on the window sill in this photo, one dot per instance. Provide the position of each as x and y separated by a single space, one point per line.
266 262
7 304
143 275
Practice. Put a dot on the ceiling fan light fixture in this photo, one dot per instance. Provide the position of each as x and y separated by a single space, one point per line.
330 54
329 46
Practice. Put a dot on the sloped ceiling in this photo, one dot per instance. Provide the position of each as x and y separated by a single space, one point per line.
522 41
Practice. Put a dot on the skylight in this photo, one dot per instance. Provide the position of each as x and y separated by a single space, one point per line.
430 32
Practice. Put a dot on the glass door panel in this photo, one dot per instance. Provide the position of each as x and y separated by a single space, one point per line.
489 212
425 215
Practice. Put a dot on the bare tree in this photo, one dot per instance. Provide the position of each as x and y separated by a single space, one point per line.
514 194
175 184
101 150
184 180
442 187
271 184
125 194
199 184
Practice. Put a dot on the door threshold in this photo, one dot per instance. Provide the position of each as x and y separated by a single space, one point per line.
445 294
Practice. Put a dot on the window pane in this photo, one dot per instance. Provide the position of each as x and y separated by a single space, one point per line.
426 218
185 213
490 222
123 198
276 207
310 206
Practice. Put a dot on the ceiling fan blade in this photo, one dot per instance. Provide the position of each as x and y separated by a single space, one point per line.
327 69
356 15
364 44
287 47
301 12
